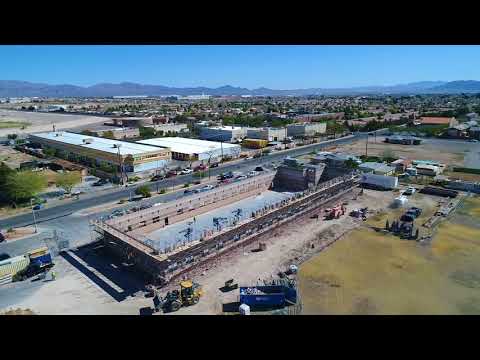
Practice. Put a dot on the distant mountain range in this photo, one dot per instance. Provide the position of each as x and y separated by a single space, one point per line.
13 88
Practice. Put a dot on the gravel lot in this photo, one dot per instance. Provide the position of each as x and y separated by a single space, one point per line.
44 121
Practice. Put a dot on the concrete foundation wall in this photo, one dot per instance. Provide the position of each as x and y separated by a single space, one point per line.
189 206
162 268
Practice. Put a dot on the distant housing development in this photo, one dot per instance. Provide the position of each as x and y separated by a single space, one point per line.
99 151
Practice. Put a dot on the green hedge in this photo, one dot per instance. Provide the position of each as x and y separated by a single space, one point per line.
466 170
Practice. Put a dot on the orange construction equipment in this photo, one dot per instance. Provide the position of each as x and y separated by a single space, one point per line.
335 212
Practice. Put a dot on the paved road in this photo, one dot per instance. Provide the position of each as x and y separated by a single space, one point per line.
113 195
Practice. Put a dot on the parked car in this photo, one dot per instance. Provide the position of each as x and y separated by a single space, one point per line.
100 182
214 165
38 207
207 187
157 177
259 168
415 211
252 173
410 191
186 171
473 140
200 168
407 218
189 191
241 177
171 173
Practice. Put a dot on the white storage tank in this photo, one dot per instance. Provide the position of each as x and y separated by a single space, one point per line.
400 201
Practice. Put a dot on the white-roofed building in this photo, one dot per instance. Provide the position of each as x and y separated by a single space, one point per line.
187 149
96 151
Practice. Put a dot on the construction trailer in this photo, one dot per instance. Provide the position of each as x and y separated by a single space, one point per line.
379 182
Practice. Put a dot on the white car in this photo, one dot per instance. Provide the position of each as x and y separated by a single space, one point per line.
186 171
241 177
252 173
410 191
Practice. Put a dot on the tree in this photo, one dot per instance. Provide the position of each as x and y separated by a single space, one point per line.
68 180
49 152
89 133
108 135
23 185
351 164
143 190
146 132
5 172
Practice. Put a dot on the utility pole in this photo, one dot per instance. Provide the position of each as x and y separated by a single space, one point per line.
120 163
34 218
366 147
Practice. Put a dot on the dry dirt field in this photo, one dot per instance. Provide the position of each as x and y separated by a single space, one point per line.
425 151
12 157
367 272
44 121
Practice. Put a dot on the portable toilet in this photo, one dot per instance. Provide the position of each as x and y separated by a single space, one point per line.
244 309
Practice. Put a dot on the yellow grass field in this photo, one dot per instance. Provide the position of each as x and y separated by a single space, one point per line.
372 273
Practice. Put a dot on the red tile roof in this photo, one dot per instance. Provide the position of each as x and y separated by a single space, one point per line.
436 120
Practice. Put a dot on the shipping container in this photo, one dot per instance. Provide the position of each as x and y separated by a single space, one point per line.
13 265
42 260
439 191
267 296
254 143
38 252
379 181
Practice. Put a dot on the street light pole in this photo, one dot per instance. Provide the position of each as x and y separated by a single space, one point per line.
366 147
34 218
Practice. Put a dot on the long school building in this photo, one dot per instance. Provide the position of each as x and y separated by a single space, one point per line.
95 151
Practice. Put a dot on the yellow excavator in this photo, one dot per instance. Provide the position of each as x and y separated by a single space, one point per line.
189 294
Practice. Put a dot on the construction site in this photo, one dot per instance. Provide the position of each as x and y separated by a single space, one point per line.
166 241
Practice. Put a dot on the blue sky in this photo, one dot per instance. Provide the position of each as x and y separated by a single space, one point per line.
278 67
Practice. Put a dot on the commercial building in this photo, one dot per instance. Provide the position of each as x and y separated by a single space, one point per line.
95 151
223 133
140 121
401 165
195 150
121 133
429 170
307 129
269 134
458 131
377 168
294 175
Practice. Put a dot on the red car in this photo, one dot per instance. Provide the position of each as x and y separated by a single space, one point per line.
200 168
171 174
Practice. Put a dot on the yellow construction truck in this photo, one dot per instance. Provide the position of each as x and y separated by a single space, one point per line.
189 294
